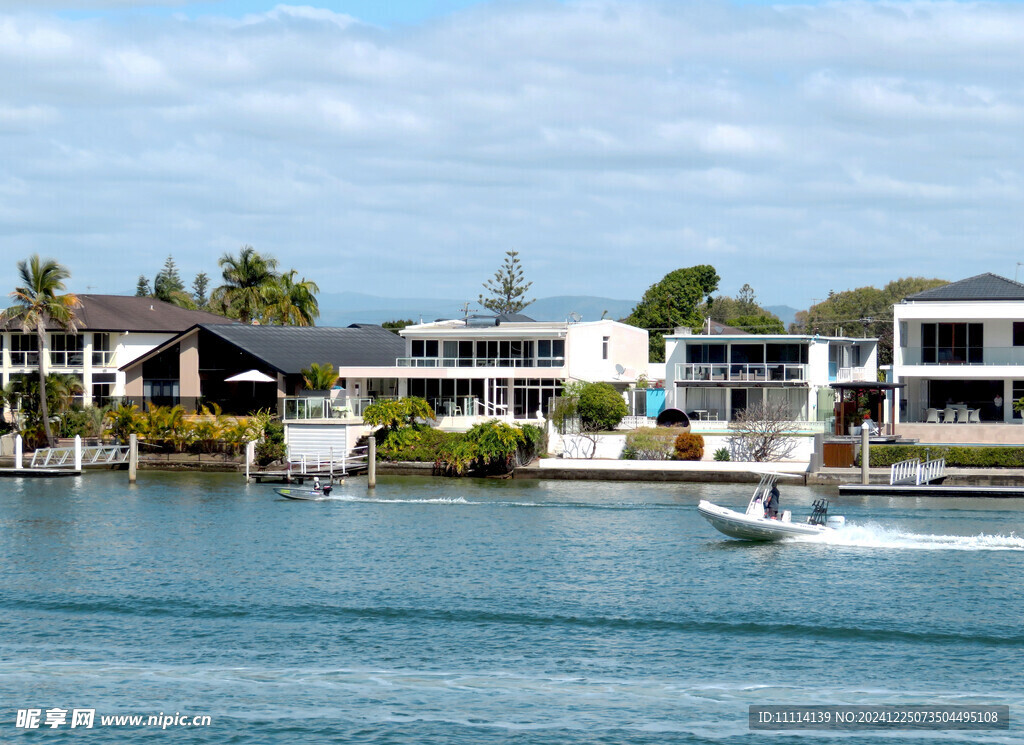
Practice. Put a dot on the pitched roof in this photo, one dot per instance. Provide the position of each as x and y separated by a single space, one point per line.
289 349
130 313
986 286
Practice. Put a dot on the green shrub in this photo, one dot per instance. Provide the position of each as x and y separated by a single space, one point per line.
600 407
272 446
689 446
722 454
883 456
650 443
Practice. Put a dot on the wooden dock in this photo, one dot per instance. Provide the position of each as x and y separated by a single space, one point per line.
38 473
931 490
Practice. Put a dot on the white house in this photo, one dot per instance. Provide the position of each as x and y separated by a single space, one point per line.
717 376
511 365
959 349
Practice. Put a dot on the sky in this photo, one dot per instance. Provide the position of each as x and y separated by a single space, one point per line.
401 148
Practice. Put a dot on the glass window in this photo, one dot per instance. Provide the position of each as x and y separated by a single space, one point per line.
604 347
1018 333
102 354
24 350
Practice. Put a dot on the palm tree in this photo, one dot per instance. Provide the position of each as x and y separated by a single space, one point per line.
250 281
294 302
37 303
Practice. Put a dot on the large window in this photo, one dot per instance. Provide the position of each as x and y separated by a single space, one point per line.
103 388
533 396
952 343
24 350
705 353
66 350
550 353
102 354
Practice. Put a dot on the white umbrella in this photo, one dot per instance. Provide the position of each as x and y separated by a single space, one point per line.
250 376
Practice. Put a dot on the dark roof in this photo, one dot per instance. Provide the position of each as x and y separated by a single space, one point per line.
986 286
514 318
130 313
290 349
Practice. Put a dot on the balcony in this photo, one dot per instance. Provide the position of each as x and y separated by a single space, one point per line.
322 407
736 372
480 362
987 356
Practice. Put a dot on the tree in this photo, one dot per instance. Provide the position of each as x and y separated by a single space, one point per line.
293 303
395 326
865 311
744 313
199 287
319 377
507 289
765 323
37 303
764 432
600 407
168 287
142 288
250 281
674 301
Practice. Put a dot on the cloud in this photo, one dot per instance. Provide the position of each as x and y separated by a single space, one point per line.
608 141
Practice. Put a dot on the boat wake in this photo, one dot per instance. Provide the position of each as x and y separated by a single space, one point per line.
871 535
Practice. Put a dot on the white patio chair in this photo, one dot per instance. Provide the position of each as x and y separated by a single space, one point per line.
949 415
961 416
974 416
932 416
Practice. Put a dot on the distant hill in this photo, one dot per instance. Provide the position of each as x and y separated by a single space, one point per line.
786 314
343 308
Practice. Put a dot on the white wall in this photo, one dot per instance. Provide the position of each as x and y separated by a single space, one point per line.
627 346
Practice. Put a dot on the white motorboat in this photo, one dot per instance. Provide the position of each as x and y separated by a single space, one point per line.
752 525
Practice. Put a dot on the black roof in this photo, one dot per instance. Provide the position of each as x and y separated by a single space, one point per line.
133 313
986 286
290 349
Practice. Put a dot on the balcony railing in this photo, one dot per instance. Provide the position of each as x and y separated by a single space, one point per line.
315 407
724 371
480 362
963 356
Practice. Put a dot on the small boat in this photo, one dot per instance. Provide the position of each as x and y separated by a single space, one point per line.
752 525
310 495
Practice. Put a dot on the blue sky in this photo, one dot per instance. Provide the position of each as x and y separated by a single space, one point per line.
401 148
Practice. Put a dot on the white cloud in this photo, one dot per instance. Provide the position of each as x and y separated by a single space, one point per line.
608 141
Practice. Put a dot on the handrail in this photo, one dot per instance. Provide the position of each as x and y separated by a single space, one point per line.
905 472
731 371
92 455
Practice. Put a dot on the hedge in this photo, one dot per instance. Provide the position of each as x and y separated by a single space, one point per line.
883 456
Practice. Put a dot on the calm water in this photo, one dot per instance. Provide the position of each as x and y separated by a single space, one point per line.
457 611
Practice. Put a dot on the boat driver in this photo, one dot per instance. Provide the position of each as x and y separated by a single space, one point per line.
316 483
772 509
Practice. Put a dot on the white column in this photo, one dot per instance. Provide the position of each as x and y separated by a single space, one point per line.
78 452
18 451
87 348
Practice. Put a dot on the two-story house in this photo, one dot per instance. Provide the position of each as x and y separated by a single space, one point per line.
714 377
512 366
111 331
959 349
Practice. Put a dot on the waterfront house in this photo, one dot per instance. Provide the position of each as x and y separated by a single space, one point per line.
112 331
512 366
959 350
193 367
712 377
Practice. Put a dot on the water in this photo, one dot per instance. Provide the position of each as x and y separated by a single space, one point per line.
459 611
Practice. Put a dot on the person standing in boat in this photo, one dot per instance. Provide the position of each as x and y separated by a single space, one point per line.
772 508
316 483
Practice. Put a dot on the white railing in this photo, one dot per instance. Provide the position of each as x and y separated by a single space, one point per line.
489 408
851 374
480 362
92 455
772 371
321 407
905 472
915 472
319 462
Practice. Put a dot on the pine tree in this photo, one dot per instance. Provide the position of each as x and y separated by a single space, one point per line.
199 286
142 288
167 281
507 289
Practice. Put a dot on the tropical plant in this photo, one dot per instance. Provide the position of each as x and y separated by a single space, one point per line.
271 447
250 281
293 302
650 443
36 304
123 421
722 454
689 446
507 290
676 300
402 412
319 377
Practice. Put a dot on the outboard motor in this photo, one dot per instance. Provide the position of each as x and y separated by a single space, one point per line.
819 516
327 490
835 521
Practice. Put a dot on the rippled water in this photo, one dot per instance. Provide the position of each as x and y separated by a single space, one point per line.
458 611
